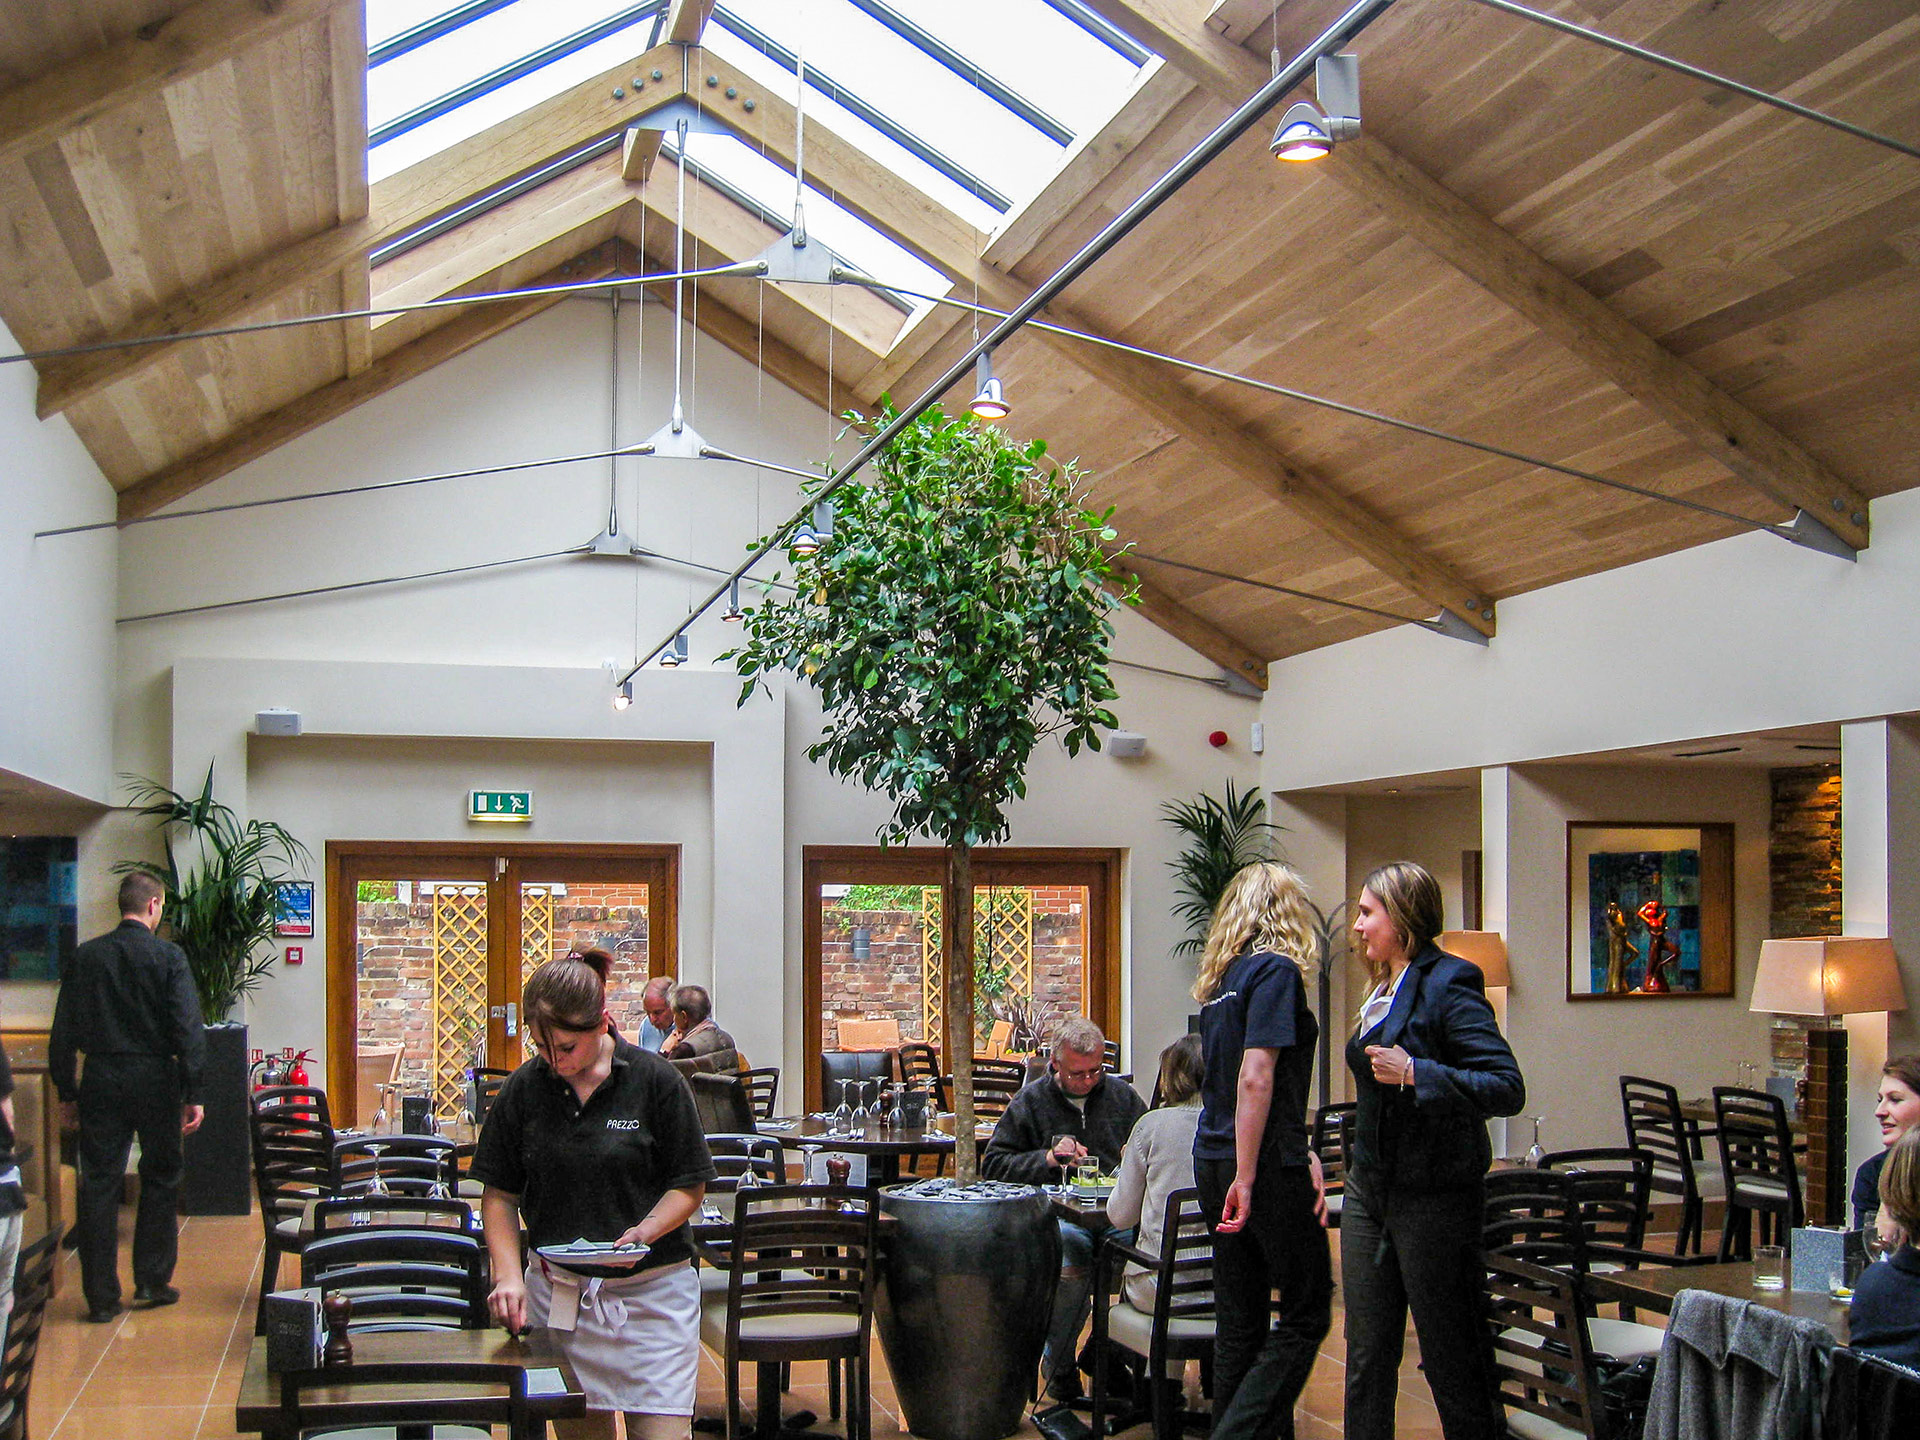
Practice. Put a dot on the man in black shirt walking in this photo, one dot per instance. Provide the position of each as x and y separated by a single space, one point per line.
129 1003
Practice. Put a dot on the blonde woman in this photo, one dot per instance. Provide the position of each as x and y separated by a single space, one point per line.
1429 1066
1259 1183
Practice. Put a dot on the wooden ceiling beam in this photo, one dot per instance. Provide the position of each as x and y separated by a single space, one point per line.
267 432
686 19
1496 260
195 38
1193 630
400 203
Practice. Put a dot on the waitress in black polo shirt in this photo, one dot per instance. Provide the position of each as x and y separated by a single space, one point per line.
597 1139
1259 1183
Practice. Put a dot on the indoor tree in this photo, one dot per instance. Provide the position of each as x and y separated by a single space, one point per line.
955 616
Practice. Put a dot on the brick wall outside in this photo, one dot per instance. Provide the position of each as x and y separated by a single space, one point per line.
888 982
395 964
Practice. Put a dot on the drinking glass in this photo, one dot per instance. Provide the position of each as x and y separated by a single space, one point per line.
1536 1157
1769 1267
1088 1172
842 1117
1876 1244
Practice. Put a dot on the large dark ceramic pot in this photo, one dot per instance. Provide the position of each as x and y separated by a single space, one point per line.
218 1179
966 1294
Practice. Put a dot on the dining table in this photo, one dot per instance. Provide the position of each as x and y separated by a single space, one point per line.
1654 1287
553 1390
883 1149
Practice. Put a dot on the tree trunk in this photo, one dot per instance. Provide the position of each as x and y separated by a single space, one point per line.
956 946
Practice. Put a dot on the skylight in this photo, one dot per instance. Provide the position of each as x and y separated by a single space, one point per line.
977 105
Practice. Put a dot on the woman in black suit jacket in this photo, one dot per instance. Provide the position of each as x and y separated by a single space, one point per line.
1885 1318
1430 1066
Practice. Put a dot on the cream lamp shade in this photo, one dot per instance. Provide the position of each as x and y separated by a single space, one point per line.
1828 975
1484 948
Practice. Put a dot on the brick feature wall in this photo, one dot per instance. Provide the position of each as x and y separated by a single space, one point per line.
394 944
1803 852
887 983
1826 1115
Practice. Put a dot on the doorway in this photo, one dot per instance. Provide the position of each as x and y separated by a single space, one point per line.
428 945
1046 928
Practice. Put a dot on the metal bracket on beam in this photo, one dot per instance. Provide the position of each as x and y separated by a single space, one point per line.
1807 531
670 114
794 257
1453 627
1235 683
667 443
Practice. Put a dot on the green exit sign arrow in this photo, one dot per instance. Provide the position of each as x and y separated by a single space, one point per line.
508 805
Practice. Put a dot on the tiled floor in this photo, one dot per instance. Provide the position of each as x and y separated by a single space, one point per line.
172 1374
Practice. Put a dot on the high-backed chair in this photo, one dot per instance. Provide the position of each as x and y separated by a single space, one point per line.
723 1104
1756 1160
486 1089
403 1279
1180 1326
1656 1127
32 1284
1544 1374
1329 1141
763 1089
799 1287
405 1165
919 1063
839 1065
376 1074
292 1138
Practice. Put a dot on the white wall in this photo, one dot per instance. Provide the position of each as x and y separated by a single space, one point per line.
57 594
411 694
1744 634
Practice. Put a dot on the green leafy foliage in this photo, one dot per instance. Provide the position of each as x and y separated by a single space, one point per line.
1224 836
955 618
220 907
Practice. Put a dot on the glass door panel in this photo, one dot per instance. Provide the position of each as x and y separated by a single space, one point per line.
557 919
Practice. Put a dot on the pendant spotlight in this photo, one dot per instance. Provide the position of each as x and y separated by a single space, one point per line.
991 401
676 653
1309 131
733 614
812 534
623 696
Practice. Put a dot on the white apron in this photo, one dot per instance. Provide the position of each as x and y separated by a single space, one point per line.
635 1342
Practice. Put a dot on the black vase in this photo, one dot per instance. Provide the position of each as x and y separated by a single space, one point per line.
219 1171
966 1294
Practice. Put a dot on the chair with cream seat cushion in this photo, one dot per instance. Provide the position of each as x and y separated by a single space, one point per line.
1544 1371
1179 1327
1756 1160
1656 1127
799 1287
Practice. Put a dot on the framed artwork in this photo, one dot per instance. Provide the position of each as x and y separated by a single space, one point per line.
293 909
39 905
1649 910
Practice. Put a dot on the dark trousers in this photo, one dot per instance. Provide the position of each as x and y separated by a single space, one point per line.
1260 1367
122 1096
1426 1258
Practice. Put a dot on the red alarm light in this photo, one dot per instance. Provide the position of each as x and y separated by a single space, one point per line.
1217 739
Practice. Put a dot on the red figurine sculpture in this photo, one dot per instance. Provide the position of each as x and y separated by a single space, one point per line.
1661 951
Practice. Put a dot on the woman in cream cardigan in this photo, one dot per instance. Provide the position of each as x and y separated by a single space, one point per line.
1158 1159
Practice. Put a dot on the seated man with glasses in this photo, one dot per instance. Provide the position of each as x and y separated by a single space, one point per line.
1078 1112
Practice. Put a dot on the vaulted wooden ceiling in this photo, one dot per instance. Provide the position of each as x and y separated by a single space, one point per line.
1538 244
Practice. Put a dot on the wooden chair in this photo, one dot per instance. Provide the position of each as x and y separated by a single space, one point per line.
1612 1187
397 1395
292 1138
999 1037
724 1106
405 1164
763 1090
486 1089
799 1287
1656 1127
1544 1373
1180 1326
879 1033
406 1212
1329 1142
403 1279
995 1083
32 1284
1756 1160
376 1074
919 1063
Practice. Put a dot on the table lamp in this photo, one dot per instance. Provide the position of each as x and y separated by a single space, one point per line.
1485 948
1827 976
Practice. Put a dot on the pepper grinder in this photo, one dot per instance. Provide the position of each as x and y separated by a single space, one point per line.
338 1309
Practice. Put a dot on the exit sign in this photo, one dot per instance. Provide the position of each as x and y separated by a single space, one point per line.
508 805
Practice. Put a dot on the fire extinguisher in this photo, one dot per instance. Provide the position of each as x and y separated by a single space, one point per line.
268 1072
297 1069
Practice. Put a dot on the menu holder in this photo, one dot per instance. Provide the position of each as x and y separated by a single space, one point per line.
1826 1260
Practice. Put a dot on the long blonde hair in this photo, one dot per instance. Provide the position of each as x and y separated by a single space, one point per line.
1264 907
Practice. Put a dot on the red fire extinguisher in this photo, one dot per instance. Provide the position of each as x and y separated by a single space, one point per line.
297 1069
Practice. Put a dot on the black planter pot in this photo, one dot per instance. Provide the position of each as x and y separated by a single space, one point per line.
963 1306
219 1170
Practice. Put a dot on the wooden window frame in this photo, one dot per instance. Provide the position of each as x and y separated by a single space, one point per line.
1099 870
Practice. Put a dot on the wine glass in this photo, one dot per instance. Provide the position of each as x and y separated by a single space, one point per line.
1536 1157
842 1117
1061 1165
377 1186
809 1169
857 1123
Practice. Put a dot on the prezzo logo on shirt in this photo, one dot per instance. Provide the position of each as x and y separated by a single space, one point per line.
1228 995
623 1124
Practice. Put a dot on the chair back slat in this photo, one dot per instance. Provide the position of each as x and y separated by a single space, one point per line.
1611 1186
407 1212
1183 1283
406 1165
1329 1141
1550 1372
763 1090
32 1284
736 1156
1532 1215
919 1063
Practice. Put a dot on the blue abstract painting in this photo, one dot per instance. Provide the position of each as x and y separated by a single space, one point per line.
1630 879
39 905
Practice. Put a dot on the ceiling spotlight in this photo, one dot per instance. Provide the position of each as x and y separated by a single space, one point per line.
733 614
676 652
991 401
810 535
1309 131
623 697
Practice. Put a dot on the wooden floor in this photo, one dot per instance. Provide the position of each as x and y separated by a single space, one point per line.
172 1374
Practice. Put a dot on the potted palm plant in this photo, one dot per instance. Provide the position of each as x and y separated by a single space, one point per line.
955 617
222 877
